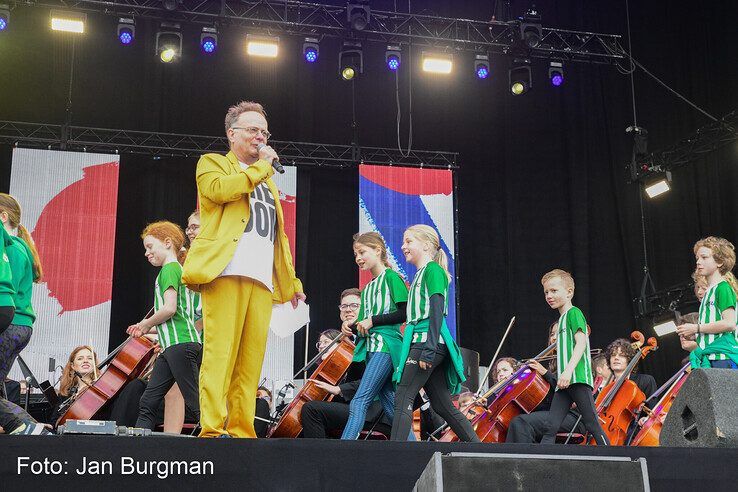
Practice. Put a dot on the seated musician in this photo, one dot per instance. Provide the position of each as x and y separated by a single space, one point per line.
79 372
321 418
602 371
503 368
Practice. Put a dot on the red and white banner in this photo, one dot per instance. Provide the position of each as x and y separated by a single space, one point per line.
69 204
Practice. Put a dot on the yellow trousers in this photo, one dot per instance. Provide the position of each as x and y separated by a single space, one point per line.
236 315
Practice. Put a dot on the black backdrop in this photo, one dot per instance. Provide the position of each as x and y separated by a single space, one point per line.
542 177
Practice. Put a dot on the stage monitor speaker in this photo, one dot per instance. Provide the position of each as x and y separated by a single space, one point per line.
491 471
704 413
471 368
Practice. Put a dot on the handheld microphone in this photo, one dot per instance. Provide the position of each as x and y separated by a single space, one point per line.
275 162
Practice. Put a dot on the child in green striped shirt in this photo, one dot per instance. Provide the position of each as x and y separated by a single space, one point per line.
174 321
379 341
712 340
430 358
574 364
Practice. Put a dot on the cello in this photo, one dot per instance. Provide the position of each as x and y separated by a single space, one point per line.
520 393
124 364
651 428
330 370
618 403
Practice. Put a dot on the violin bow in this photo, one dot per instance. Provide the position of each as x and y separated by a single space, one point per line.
494 357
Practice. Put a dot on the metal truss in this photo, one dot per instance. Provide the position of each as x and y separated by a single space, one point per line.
705 140
312 19
105 140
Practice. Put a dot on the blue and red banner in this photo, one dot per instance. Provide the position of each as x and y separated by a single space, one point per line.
393 198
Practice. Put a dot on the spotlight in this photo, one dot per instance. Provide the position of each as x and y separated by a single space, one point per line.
481 66
350 60
437 63
530 28
310 50
556 73
358 14
126 30
519 76
68 21
171 5
658 186
169 42
262 46
393 57
4 16
209 40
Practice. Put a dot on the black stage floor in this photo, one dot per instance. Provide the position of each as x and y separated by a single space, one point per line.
299 464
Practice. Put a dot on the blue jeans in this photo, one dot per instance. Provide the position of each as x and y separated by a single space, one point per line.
723 364
377 381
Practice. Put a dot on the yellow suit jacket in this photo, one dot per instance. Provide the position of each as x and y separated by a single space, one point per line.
223 189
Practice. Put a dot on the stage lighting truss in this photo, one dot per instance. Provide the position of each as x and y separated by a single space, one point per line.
385 27
126 30
169 42
105 140
350 60
4 17
209 40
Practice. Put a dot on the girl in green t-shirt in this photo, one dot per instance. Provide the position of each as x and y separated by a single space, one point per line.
430 358
379 340
174 321
712 340
20 267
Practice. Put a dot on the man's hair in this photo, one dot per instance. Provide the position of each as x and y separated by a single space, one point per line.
353 291
237 110
563 275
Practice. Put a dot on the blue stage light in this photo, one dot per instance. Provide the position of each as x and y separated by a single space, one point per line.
125 36
311 55
3 23
482 72
393 62
208 45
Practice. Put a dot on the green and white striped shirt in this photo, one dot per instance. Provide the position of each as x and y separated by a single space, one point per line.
180 328
429 280
571 322
717 299
380 296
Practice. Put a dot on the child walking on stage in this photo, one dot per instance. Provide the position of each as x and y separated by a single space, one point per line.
430 358
574 364
712 340
379 342
24 269
174 320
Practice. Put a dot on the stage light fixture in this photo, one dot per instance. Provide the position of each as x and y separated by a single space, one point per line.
556 73
350 60
169 42
126 30
519 76
393 57
68 21
263 46
481 66
531 30
311 50
358 14
4 16
437 63
209 40
171 5
658 186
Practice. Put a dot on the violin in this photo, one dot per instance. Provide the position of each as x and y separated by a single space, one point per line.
124 364
651 428
618 403
520 393
331 371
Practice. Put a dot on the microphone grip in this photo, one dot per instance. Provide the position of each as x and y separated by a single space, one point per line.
275 162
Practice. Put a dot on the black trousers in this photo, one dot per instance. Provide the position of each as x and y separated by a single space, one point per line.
320 417
178 363
12 416
530 427
434 382
581 394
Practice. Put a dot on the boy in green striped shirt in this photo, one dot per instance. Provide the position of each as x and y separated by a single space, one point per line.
174 320
574 365
712 340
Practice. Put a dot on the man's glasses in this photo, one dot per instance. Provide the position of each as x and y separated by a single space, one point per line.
252 130
346 307
193 227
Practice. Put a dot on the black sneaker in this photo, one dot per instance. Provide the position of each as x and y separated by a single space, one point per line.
31 429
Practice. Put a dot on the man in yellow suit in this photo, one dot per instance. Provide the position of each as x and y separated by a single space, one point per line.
241 264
